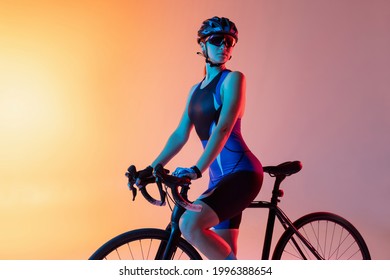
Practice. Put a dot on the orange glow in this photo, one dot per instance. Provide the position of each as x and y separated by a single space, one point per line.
89 87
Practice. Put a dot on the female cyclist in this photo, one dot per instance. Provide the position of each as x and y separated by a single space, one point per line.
215 107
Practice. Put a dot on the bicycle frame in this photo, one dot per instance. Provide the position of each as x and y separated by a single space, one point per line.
292 243
166 251
275 211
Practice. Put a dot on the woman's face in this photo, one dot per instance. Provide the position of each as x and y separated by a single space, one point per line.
219 47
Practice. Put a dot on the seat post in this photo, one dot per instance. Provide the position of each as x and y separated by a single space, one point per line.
276 190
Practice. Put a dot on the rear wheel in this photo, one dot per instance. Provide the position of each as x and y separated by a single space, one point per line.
332 236
143 244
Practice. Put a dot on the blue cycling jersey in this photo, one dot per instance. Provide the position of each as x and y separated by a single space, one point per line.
204 110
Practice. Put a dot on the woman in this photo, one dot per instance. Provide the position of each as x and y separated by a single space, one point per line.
215 107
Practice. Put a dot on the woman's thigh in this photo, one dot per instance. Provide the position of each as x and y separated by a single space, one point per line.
233 194
192 220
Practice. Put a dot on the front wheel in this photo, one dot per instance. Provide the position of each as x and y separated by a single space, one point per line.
143 244
332 236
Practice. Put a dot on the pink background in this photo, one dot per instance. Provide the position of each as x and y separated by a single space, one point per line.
89 87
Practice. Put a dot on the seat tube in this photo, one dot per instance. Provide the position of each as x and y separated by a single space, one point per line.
271 218
268 234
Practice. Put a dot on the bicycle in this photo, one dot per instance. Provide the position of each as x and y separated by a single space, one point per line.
319 235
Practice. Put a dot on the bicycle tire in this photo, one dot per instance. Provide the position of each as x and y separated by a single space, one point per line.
143 244
332 236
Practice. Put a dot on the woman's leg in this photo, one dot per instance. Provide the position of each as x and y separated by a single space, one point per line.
230 236
225 204
195 227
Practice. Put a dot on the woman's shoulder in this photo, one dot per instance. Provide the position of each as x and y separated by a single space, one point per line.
234 77
193 88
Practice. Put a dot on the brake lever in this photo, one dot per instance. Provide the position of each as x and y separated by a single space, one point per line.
133 190
131 172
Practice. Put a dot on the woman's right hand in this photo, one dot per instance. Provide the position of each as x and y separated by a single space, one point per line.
139 176
142 175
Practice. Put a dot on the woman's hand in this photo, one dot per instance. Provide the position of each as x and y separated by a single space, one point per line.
141 175
192 172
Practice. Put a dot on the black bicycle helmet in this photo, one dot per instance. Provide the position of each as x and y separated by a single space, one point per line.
217 25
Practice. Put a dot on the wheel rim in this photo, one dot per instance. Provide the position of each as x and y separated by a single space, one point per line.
143 244
142 249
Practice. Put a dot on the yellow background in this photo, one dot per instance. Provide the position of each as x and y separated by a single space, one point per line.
90 87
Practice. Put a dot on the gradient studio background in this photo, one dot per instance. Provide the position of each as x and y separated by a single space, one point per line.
89 87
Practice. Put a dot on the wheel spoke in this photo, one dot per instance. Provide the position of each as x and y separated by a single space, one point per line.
330 235
130 251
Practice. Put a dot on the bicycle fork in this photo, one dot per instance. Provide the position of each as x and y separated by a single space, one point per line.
167 250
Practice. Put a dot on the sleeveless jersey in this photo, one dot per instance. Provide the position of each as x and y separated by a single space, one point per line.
204 110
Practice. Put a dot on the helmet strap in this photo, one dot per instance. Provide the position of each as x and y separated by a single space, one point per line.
212 64
207 59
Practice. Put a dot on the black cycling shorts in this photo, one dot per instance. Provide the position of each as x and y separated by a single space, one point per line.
231 196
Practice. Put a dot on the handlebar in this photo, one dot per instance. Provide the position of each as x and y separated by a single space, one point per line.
160 177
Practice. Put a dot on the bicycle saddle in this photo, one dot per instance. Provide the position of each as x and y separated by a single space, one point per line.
287 168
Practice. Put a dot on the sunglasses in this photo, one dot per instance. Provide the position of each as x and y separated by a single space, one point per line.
219 39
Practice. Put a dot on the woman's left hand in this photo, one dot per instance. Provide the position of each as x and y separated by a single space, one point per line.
192 172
